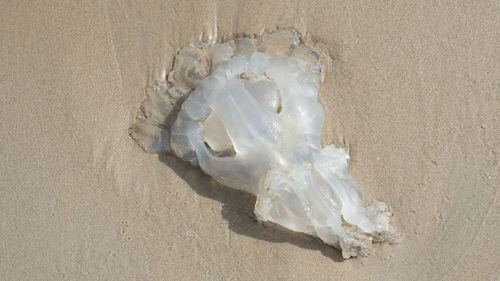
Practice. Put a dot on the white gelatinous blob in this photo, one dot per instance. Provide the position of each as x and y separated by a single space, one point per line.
246 112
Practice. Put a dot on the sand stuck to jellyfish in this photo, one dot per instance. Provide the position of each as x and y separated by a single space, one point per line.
246 112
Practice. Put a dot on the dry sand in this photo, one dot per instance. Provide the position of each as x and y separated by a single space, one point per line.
411 88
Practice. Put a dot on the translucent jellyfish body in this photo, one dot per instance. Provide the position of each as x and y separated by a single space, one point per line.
246 112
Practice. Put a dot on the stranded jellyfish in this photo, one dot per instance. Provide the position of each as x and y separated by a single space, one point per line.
246 112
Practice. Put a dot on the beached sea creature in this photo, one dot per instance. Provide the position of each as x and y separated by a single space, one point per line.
246 112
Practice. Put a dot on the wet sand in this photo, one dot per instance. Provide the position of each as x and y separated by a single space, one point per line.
412 89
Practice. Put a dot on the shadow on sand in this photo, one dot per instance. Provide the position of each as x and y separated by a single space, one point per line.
238 210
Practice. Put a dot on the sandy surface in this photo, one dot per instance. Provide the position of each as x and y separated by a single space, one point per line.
412 89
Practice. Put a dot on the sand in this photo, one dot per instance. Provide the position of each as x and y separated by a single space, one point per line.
411 88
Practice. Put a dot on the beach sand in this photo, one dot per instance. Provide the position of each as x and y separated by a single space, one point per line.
412 89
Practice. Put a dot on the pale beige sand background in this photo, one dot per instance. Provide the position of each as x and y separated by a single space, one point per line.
412 89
